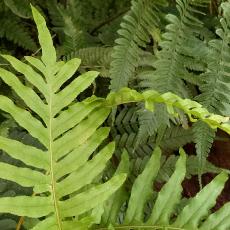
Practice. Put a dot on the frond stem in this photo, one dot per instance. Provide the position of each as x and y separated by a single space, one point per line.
52 162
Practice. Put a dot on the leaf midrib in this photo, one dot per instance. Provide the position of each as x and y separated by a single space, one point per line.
52 160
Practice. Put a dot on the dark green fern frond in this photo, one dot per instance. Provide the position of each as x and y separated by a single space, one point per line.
203 137
21 8
176 137
126 134
126 120
150 122
97 58
215 82
168 166
134 35
101 13
92 56
13 29
68 24
215 86
181 52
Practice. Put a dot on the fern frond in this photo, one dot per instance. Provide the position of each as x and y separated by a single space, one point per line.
126 135
150 122
193 109
19 8
176 137
169 195
142 191
134 35
126 121
92 56
194 215
66 129
179 52
203 137
215 83
12 29
214 86
114 204
175 62
57 124
97 58
68 24
168 165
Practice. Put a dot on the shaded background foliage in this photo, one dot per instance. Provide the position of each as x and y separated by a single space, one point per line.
122 39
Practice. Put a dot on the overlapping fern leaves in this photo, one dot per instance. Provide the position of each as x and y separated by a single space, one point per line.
134 35
13 28
214 85
181 52
125 133
97 58
195 215
68 24
65 173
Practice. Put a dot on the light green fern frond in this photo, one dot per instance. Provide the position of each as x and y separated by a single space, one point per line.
195 214
58 125
192 109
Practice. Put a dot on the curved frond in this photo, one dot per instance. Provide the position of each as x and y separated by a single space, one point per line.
193 109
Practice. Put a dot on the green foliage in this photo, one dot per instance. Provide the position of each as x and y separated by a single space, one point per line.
52 183
195 215
180 50
214 86
51 172
193 109
97 58
68 24
141 21
12 27
187 57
